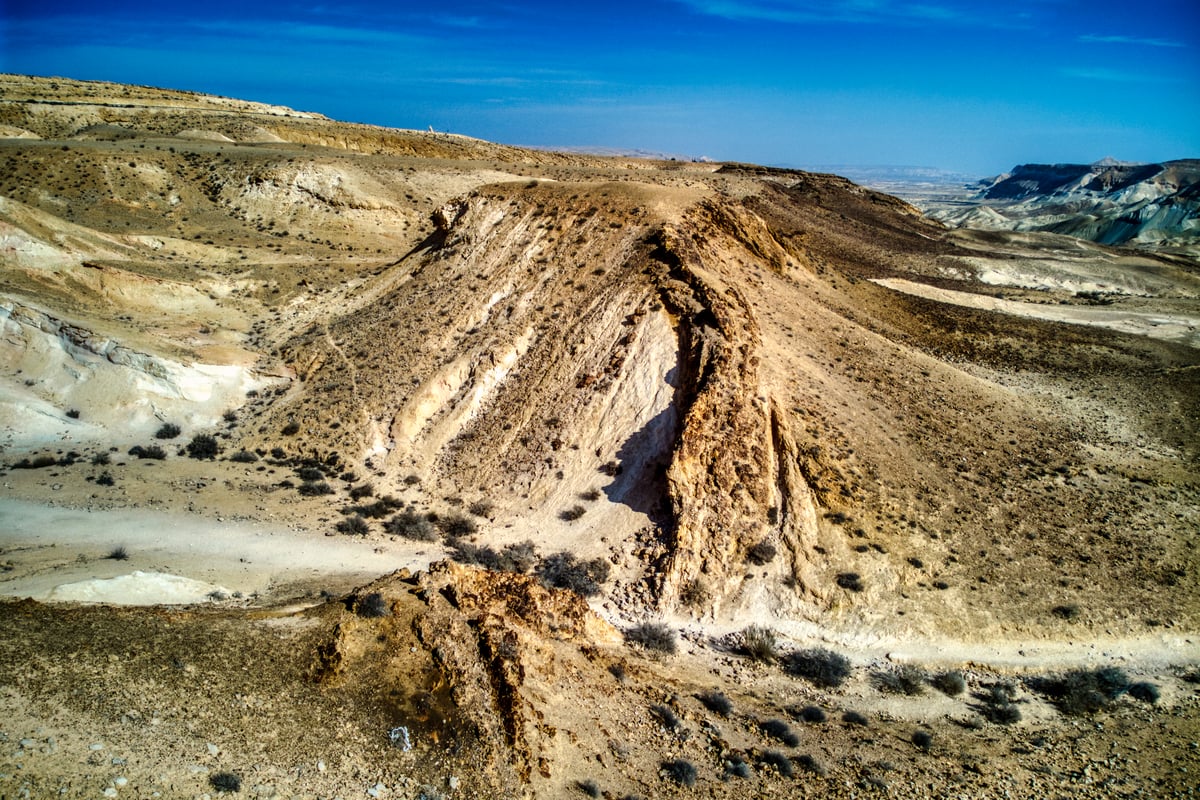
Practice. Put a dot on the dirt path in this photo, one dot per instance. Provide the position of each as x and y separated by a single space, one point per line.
45 547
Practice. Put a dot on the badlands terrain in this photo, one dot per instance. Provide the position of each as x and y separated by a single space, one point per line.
341 461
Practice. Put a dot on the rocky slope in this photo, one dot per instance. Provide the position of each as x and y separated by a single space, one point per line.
1149 205
730 394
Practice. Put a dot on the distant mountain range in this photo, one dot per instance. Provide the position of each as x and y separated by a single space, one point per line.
1110 202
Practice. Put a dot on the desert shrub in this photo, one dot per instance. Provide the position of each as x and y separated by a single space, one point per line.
202 446
666 717
904 679
412 480
315 488
850 581
354 526
40 462
681 771
152 452
716 702
854 718
564 571
779 730
519 557
1145 691
244 457
373 605
168 430
465 552
278 453
73 413
118 553
591 495
761 553
101 459
617 671
760 643
923 740
225 782
291 429
781 763
105 479
1081 692
1004 714
310 473
377 510
1067 611
810 764
693 593
410 525
822 667
811 714
571 514
916 562
482 508
950 683
362 490
589 788
456 526
654 636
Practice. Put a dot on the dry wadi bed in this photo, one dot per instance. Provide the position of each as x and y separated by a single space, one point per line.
713 395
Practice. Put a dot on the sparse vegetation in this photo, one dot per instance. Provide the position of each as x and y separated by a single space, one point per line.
736 766
716 702
1082 692
362 490
203 446
1068 611
168 430
591 495
1144 691
291 429
693 594
850 581
779 730
923 740
589 788
101 459
812 714
37 462
106 479
760 643
73 413
118 553
951 683
457 526
654 636
408 524
818 665
153 452
244 457
225 782
482 508
571 514
681 771
854 718
315 488
761 553
356 525
904 679
565 571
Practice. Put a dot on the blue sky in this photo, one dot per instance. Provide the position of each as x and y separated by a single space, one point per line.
970 86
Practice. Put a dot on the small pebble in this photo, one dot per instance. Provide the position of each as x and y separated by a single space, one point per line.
213 749
96 746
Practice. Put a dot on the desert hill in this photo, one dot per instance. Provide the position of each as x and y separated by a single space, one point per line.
1148 205
723 394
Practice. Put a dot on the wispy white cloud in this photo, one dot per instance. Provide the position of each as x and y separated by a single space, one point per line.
1104 74
839 11
1134 40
